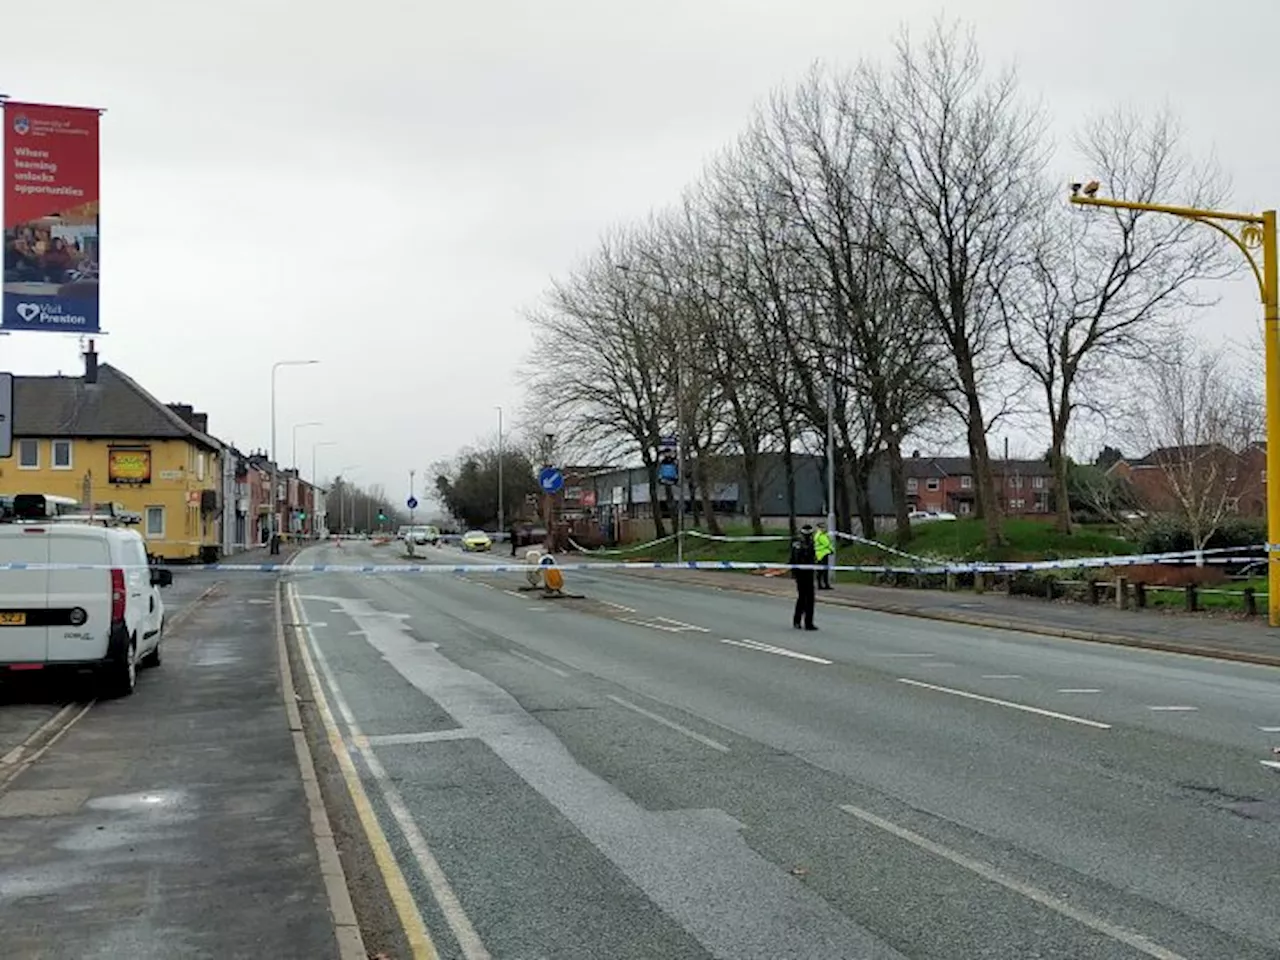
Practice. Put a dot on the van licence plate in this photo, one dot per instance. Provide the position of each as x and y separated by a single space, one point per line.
13 618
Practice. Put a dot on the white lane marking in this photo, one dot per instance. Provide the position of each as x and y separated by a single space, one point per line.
1174 709
905 656
1130 938
538 663
1270 764
1002 676
1270 729
355 633
670 724
618 606
427 736
937 663
780 651
682 625
1007 703
516 594
481 583
468 940
1079 690
652 626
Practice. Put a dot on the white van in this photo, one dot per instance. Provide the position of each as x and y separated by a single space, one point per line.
106 621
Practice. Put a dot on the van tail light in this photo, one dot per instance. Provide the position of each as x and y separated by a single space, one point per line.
117 595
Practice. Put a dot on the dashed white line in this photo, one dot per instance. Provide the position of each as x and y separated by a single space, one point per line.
1173 709
1130 938
937 663
538 663
618 606
516 594
906 656
1270 764
1079 690
1270 729
1007 703
426 736
671 724
779 651
682 625
1002 676
651 626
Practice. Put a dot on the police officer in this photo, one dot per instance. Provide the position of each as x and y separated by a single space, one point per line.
822 552
802 554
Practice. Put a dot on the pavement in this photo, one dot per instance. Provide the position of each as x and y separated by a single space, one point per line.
664 768
172 823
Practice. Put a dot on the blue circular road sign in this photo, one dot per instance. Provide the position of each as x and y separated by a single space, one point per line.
412 503
550 479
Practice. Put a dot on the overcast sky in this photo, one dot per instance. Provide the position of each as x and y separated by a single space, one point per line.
385 186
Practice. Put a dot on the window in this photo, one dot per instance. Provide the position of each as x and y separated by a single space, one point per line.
28 454
155 523
200 467
1016 482
1038 483
931 483
966 483
913 485
1017 504
1264 477
62 454
965 507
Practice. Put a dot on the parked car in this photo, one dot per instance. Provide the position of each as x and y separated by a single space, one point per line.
474 541
929 516
106 621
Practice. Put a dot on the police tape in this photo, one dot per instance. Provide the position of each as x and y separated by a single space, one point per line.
932 569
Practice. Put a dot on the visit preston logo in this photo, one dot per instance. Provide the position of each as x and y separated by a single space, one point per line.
21 124
28 311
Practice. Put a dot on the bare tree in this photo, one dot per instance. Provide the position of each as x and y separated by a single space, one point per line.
959 175
1106 288
1195 417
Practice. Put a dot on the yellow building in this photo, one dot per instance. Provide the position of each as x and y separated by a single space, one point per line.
101 438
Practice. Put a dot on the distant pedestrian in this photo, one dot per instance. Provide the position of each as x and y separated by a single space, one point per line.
802 555
822 552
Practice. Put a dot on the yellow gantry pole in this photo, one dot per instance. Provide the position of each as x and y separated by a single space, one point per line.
1271 341
1257 229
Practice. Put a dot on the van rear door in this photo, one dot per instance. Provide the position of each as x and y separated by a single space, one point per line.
87 590
24 595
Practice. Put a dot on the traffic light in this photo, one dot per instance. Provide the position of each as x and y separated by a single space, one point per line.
382 517
302 515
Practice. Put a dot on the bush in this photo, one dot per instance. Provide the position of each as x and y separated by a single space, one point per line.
1172 536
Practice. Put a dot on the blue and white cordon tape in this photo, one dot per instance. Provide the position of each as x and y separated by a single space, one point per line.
923 568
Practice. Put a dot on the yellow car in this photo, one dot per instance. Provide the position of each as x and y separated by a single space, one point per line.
476 541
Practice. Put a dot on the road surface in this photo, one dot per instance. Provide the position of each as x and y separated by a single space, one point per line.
654 771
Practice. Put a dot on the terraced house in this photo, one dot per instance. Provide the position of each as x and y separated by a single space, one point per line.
102 438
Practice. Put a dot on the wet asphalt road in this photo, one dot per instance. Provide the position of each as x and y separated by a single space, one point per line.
655 771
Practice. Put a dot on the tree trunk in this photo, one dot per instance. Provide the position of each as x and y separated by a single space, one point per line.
862 497
898 487
983 478
651 468
1058 462
789 468
708 511
751 482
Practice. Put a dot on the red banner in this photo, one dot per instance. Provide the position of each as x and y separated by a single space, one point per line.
51 202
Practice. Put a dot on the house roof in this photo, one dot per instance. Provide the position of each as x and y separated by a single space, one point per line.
113 407
1191 452
925 467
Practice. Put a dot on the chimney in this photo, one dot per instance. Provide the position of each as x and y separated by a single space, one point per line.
200 421
91 364
915 454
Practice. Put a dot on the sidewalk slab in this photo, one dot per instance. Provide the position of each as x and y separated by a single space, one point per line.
172 823
1248 640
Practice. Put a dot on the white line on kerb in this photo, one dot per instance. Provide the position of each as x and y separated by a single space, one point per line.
670 724
1007 703
985 870
468 940
779 651
538 663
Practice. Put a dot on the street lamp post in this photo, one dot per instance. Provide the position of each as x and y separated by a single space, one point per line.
315 477
1248 232
275 476
342 498
296 428
500 511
